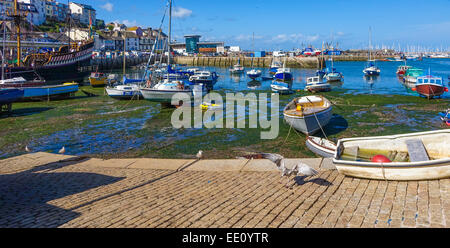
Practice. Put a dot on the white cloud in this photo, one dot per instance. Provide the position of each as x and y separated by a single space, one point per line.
180 12
108 7
127 23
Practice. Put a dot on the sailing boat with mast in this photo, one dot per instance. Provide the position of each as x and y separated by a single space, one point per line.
254 73
283 74
128 89
166 89
371 69
333 75
60 65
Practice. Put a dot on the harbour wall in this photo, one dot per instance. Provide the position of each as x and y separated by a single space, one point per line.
296 62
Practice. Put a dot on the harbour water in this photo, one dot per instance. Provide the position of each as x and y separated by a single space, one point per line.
103 127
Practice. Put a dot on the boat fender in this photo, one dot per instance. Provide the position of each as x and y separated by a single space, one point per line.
414 89
299 108
446 89
381 159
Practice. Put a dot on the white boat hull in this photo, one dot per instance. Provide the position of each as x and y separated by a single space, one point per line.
321 147
162 95
124 94
435 143
308 124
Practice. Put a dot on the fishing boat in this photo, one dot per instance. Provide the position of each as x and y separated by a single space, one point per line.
412 74
430 86
414 156
316 84
98 79
401 70
281 87
321 146
8 96
308 114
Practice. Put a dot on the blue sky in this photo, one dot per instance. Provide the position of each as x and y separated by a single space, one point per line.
287 24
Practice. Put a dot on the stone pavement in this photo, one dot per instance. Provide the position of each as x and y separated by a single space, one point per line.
47 190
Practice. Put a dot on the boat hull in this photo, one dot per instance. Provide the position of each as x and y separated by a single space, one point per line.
98 82
439 170
430 90
308 124
164 96
120 94
50 92
8 96
318 88
283 76
319 147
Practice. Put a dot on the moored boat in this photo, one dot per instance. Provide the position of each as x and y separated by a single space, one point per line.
283 74
308 114
430 86
98 79
316 84
50 92
281 87
254 74
412 74
124 92
401 70
321 146
414 156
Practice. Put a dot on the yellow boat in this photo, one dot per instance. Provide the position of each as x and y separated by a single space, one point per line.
98 79
206 106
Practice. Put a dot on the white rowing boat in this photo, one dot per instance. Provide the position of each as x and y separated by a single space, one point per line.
415 156
321 147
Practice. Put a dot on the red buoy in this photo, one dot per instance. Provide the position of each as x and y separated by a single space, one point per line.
381 159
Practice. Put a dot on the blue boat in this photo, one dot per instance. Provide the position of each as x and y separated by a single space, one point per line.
7 97
10 95
50 91
283 74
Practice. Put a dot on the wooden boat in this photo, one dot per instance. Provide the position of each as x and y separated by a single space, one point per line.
430 86
308 114
414 156
321 147
98 79
316 84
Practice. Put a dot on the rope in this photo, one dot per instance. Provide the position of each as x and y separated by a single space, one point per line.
317 119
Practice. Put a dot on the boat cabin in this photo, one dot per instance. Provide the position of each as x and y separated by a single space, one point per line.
430 80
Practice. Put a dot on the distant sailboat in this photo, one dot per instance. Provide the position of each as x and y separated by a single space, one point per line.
254 73
371 68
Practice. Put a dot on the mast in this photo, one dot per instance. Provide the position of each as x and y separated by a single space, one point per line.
170 33
16 16
3 51
370 43
124 49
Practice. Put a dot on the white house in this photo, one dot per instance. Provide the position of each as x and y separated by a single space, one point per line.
36 10
82 13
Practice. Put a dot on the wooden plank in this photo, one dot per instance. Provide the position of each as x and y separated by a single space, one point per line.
417 151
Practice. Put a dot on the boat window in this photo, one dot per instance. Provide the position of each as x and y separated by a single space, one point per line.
420 80
127 88
432 81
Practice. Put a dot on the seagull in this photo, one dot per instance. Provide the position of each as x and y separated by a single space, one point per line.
27 149
199 155
298 169
62 151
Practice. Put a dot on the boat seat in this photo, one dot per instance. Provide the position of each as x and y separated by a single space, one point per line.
417 151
